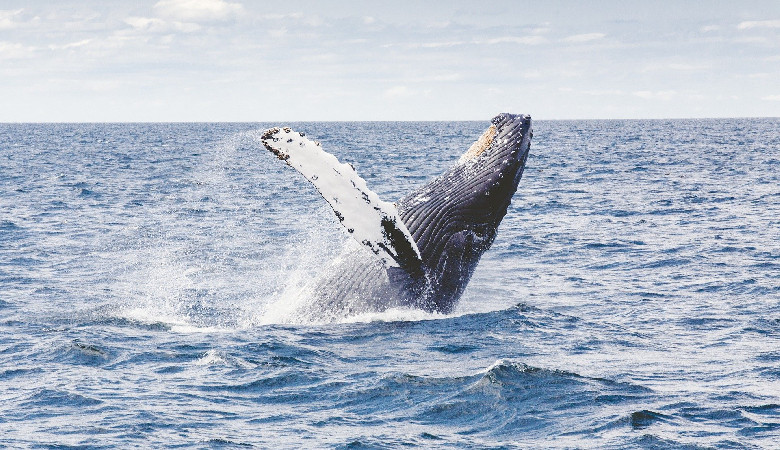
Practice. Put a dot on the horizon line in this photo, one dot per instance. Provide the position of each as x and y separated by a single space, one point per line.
53 122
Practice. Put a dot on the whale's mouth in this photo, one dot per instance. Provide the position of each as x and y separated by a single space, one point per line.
480 145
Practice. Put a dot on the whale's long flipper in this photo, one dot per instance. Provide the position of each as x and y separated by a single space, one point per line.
369 220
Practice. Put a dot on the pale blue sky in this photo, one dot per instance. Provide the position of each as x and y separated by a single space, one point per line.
241 60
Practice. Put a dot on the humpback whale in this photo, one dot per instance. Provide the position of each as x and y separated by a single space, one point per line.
420 251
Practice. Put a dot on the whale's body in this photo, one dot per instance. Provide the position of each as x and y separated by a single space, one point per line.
423 249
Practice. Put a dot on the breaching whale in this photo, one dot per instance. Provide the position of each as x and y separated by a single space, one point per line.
421 251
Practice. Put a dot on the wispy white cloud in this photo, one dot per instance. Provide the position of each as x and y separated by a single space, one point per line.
441 44
601 92
772 98
525 40
522 40
401 92
300 18
446 77
586 37
279 16
157 25
76 44
147 23
7 18
439 24
355 41
541 29
398 91
531 74
441 78
656 95
749 24
709 28
759 75
14 50
687 67
198 10
675 67
277 32
753 40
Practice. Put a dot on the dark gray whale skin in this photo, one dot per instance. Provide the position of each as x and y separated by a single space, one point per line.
453 219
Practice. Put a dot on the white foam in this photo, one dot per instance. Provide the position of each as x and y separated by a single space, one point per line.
395 315
175 322
217 358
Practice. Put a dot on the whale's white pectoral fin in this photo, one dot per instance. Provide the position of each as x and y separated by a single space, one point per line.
369 220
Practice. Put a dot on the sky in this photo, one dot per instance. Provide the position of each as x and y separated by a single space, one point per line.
243 60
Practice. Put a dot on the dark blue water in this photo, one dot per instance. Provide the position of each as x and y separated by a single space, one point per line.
147 272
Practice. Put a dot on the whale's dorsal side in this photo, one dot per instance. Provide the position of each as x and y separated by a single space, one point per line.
368 219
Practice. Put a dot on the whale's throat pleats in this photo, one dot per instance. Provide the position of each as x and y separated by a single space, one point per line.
454 219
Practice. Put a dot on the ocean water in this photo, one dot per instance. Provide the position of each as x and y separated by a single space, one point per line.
148 272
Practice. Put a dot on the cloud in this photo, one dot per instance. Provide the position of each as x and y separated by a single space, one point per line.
587 37
442 78
76 44
13 50
656 95
309 20
758 24
446 77
753 40
147 23
441 44
531 74
760 75
772 98
523 40
601 92
675 66
277 32
526 40
398 91
687 67
198 10
402 93
7 19
155 25
708 28
277 16
541 29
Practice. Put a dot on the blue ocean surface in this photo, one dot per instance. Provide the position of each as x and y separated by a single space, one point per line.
148 271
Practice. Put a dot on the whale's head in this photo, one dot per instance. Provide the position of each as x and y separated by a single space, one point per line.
454 219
